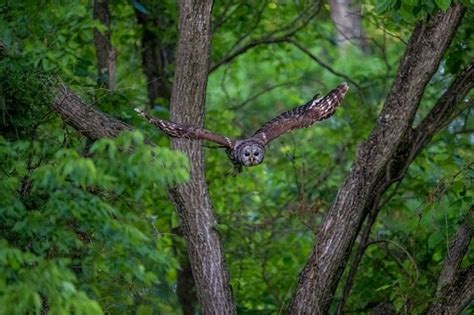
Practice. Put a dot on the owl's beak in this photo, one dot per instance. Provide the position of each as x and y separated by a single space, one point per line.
252 160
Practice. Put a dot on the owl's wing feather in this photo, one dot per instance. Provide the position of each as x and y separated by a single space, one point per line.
302 116
176 130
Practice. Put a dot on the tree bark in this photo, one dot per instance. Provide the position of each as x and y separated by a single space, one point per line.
106 56
192 199
455 285
94 124
90 122
414 141
155 58
318 280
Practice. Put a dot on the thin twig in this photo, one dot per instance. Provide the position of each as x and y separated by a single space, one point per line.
321 63
269 38
260 93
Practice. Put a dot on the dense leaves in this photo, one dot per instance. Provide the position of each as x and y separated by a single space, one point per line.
88 228
80 223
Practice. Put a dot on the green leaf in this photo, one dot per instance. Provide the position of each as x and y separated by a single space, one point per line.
443 4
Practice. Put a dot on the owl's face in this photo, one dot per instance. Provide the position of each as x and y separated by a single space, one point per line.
251 154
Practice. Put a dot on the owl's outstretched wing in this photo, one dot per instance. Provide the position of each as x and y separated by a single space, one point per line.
302 116
176 130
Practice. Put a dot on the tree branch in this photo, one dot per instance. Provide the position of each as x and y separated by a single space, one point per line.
260 93
436 119
257 18
455 285
270 38
243 49
318 280
90 122
364 242
322 63
444 110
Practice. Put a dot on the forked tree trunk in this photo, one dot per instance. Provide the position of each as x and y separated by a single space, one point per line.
447 108
318 280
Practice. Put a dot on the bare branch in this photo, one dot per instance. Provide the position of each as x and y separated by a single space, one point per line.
240 51
224 16
262 92
444 109
297 24
300 21
258 17
322 63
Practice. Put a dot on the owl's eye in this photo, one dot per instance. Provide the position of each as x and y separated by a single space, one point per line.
247 153
256 153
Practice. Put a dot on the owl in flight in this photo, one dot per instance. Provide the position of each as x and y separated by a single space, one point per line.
250 151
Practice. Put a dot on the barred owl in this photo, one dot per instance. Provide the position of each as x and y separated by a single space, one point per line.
251 151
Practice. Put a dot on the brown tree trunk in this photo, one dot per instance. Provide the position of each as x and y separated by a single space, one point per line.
106 56
94 124
455 285
443 112
155 58
318 280
346 16
192 199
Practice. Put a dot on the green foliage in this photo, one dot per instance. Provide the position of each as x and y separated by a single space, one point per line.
26 96
76 228
412 9
80 233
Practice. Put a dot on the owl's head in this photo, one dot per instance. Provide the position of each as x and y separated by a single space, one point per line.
251 153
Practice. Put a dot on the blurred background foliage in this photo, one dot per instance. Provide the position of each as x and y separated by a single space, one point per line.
88 228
